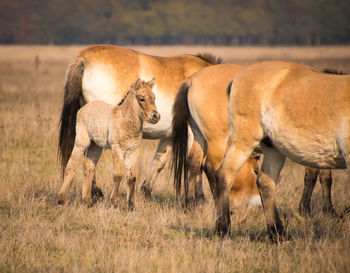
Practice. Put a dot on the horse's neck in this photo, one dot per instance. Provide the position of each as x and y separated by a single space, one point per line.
131 112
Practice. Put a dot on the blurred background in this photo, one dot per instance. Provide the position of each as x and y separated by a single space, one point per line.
168 22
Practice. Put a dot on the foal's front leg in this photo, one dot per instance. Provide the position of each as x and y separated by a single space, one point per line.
130 158
117 173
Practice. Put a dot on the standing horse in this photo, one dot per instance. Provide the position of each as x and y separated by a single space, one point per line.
105 72
206 89
202 102
100 125
290 110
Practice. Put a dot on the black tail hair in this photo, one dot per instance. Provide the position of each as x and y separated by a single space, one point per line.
181 114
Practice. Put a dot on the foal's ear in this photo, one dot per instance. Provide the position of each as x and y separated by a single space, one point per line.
152 82
137 84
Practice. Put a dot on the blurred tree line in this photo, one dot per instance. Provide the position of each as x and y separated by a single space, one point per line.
227 22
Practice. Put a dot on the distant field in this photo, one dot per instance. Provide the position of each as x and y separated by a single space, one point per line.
36 235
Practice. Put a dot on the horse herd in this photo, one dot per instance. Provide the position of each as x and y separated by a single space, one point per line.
235 115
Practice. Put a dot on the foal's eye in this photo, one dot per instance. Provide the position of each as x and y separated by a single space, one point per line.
141 99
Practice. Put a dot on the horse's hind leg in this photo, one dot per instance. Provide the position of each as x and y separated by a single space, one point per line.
157 165
194 181
92 156
326 183
310 179
267 182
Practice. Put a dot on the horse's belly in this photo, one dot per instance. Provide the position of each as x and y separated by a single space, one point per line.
315 151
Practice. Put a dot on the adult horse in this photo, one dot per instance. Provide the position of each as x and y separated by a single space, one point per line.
288 110
202 102
206 89
105 72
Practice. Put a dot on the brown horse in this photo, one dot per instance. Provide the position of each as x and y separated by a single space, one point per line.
103 126
288 110
105 72
202 102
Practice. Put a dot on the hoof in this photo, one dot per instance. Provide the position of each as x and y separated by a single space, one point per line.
146 191
222 229
200 199
96 194
60 200
277 234
131 208
304 211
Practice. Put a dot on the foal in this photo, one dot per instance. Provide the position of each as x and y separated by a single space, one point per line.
119 128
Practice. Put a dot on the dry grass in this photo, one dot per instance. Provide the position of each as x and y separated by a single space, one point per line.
37 235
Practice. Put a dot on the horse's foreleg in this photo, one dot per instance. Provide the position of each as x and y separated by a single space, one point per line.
326 183
267 182
117 174
73 161
157 165
309 184
92 156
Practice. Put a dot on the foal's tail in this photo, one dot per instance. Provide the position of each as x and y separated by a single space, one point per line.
71 103
181 114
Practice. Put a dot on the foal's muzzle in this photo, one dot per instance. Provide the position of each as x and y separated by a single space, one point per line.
154 117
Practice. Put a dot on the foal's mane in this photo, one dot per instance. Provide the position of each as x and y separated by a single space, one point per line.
210 58
123 99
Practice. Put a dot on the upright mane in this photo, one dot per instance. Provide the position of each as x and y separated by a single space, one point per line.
210 58
333 71
123 99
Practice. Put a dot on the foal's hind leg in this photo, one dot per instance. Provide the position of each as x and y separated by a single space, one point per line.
73 161
92 156
310 179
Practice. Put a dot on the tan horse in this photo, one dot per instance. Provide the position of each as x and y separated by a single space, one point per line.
202 102
104 72
290 110
103 126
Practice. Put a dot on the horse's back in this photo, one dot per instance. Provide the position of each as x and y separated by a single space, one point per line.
303 111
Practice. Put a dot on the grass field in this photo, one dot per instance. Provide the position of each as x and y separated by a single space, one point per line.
36 235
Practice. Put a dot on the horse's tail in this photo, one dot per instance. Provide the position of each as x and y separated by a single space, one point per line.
71 104
181 114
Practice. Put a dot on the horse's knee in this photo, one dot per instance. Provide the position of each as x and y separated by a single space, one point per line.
117 177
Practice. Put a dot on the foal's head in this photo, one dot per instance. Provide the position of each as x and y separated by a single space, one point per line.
146 100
